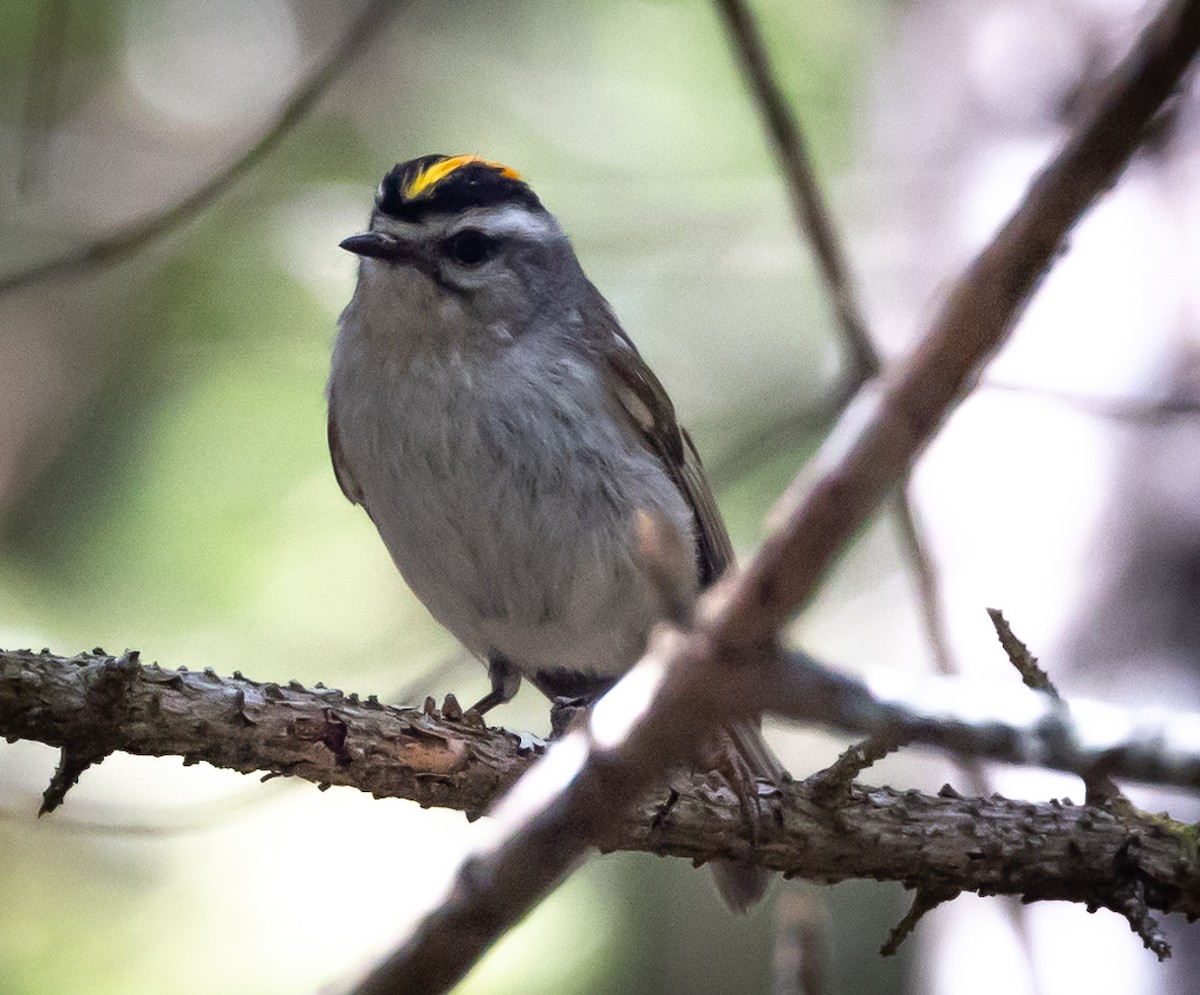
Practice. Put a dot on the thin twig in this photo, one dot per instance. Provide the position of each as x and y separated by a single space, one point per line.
820 231
1152 412
1134 909
41 98
833 784
925 900
807 202
134 237
1098 786
929 595
1026 664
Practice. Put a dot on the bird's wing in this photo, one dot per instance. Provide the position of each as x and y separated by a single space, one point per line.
652 414
341 470
642 397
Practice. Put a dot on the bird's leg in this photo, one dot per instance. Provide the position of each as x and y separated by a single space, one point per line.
563 711
570 693
753 773
506 679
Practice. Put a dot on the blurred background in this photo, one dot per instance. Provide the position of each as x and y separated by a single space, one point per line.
164 482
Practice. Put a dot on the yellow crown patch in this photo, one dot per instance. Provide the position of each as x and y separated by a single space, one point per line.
429 177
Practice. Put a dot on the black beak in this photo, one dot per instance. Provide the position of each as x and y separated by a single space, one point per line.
376 245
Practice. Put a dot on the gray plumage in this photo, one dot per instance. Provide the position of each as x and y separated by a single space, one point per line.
504 435
502 478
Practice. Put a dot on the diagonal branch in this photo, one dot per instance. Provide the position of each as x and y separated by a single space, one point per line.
817 224
134 237
686 684
887 427
820 231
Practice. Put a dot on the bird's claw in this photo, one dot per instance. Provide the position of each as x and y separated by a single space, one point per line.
563 712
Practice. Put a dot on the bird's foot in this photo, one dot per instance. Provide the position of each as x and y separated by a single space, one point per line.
759 797
563 713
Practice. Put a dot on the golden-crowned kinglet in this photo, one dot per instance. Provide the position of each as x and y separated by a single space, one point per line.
506 438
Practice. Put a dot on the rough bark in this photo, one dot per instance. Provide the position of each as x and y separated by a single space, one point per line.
93 704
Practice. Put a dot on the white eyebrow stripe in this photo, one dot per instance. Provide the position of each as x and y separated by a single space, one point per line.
512 219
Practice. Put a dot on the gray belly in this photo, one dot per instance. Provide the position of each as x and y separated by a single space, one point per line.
507 503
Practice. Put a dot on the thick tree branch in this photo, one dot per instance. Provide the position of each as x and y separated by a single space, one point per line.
319 734
93 704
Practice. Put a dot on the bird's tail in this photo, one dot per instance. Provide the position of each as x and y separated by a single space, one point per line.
742 884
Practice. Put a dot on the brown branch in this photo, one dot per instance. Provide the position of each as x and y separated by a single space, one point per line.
875 445
134 237
817 225
687 683
93 704
1024 662
1036 851
925 900
1100 788
204 815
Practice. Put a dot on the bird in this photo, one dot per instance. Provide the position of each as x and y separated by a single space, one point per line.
512 447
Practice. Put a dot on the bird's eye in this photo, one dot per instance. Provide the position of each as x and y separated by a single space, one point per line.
469 247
